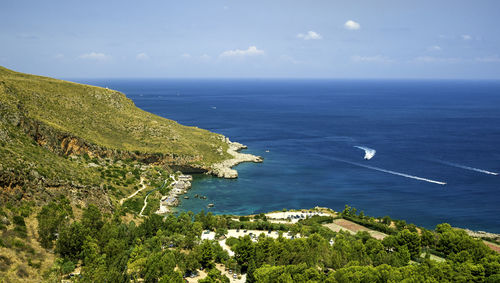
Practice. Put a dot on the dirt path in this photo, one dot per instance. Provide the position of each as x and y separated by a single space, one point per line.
145 204
135 193
146 198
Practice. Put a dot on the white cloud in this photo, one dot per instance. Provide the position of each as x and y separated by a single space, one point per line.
352 25
94 56
488 59
142 56
186 55
434 48
309 35
251 51
431 59
466 37
372 59
59 56
205 57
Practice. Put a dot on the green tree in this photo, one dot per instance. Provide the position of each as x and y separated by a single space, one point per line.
347 210
250 271
412 242
214 276
70 242
53 215
92 219
386 220
94 265
158 265
428 239
243 252
207 254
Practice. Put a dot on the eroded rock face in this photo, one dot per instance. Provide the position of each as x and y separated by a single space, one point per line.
67 145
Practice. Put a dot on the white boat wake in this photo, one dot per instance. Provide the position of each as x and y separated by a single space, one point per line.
393 172
369 152
466 167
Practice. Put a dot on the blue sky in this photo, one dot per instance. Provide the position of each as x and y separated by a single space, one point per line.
264 39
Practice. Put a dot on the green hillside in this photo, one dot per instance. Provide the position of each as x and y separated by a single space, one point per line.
63 137
105 118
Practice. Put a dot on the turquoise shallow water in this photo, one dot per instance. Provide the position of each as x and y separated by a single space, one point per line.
420 130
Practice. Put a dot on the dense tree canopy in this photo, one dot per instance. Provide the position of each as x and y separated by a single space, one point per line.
166 249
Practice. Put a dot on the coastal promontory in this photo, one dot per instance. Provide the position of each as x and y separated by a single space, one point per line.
93 143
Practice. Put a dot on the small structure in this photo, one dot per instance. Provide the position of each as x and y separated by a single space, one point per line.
185 178
170 201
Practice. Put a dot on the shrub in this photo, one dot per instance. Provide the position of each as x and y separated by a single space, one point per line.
21 271
19 220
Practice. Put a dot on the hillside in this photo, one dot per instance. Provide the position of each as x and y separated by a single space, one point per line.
67 136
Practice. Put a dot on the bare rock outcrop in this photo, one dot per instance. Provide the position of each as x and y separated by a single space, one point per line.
224 169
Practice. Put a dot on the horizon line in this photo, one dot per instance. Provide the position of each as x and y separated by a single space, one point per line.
278 78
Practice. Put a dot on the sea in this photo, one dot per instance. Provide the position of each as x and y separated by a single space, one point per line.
426 151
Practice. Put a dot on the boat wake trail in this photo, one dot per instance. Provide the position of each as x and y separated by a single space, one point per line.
369 152
392 172
466 167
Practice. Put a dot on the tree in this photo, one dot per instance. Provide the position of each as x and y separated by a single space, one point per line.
401 257
214 276
56 213
400 224
427 238
411 240
362 215
243 252
137 261
70 242
191 262
250 271
92 219
94 265
347 210
386 220
160 265
206 254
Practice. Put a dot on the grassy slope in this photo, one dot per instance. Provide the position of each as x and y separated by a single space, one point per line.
106 118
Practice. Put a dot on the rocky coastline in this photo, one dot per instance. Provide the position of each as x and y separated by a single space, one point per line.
224 168
181 183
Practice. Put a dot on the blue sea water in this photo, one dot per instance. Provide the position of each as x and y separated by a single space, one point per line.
307 131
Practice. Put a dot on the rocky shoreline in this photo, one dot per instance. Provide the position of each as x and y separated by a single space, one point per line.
224 169
482 234
180 185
